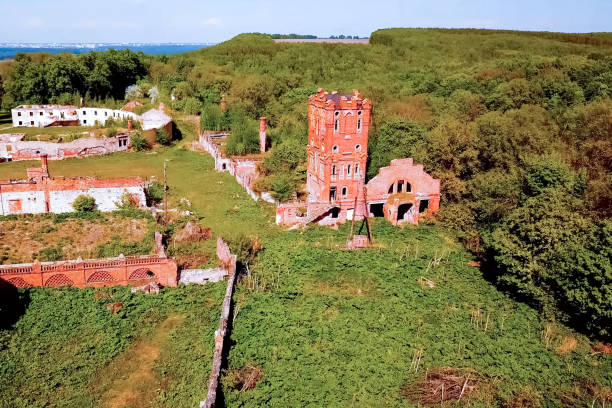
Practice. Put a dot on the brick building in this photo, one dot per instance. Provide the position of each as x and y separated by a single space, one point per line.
337 156
40 193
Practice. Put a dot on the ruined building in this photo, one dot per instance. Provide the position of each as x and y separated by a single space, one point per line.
337 156
40 193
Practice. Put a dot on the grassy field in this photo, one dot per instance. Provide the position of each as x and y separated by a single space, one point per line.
69 350
330 327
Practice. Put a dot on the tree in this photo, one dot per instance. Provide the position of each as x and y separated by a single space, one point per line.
162 137
139 143
395 139
84 203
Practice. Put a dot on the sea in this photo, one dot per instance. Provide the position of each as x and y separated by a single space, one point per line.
9 50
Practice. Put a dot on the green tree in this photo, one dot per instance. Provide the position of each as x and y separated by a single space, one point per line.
395 139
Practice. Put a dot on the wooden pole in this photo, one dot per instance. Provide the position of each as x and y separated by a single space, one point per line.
165 197
354 214
365 202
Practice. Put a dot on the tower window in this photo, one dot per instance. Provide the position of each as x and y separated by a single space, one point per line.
357 148
359 124
359 113
400 186
336 125
356 169
344 191
335 149
348 170
334 170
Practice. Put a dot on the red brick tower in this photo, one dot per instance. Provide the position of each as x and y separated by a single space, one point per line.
337 151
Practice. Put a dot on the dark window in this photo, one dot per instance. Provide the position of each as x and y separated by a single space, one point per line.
31 113
334 170
377 210
335 149
423 206
332 193
40 114
390 189
402 210
85 121
335 212
336 125
84 113
96 113
32 123
344 191
18 113
408 187
400 186
20 123
348 170
359 124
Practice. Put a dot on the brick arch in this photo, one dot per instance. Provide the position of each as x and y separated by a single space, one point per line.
59 280
100 277
19 283
142 273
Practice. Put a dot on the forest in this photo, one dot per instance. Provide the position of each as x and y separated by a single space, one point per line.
517 125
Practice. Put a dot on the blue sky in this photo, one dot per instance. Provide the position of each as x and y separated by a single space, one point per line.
214 21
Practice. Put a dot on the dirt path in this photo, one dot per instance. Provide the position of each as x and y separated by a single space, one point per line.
134 384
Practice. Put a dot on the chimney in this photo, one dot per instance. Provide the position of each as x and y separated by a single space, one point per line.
223 103
262 135
130 126
43 165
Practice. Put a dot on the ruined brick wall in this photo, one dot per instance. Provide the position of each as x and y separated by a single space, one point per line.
244 169
42 194
92 272
84 147
404 184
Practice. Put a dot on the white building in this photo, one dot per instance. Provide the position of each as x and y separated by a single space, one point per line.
65 115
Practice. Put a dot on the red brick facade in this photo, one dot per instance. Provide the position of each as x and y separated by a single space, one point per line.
92 272
337 156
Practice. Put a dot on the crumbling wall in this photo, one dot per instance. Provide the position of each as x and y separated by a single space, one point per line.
229 263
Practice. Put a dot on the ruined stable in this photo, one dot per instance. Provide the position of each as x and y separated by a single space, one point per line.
337 155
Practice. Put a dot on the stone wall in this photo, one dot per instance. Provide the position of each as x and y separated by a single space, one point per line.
84 147
229 262
244 169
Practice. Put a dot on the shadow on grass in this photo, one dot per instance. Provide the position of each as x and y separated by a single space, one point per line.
13 304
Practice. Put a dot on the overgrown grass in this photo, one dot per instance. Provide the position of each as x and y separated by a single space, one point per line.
330 327
58 349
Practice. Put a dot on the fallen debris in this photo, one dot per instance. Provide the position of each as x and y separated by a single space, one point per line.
113 307
149 288
443 384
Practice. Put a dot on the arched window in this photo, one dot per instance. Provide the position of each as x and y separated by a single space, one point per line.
356 169
335 149
390 189
336 125
359 125
359 113
400 186
334 170
348 171
357 148
344 191
408 187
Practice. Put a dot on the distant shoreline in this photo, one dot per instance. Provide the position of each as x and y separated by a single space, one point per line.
9 51
325 40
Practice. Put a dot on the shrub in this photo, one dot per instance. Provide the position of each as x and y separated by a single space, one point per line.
84 203
282 188
139 143
162 137
154 193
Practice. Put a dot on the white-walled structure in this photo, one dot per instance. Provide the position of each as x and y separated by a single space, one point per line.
65 115
41 193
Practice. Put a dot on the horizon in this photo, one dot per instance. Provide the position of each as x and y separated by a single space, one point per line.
207 22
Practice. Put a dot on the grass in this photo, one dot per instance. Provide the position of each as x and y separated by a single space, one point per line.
69 350
330 327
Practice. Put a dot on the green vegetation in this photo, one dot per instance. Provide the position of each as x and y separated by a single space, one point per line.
84 204
346 327
58 352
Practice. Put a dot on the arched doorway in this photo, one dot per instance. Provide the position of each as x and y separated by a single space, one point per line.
403 210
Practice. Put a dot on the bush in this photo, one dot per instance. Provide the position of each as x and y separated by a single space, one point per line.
84 203
139 143
154 193
162 137
282 188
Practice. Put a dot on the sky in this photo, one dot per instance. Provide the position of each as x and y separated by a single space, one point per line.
204 21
